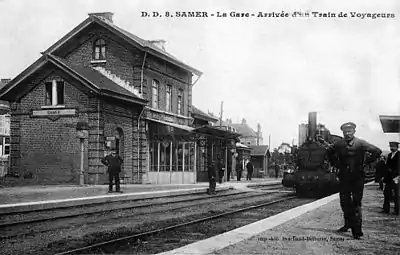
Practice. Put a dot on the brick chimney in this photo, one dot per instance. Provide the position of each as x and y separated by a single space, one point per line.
243 121
159 43
108 16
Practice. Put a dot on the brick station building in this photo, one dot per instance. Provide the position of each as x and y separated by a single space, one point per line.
133 95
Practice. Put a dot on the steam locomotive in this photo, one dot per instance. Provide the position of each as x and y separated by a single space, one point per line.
315 174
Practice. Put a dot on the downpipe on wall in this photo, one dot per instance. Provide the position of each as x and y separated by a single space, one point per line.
138 139
141 76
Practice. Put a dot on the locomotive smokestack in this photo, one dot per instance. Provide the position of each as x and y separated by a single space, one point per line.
312 125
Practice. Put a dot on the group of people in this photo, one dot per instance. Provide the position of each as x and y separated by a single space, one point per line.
239 170
387 174
348 155
217 167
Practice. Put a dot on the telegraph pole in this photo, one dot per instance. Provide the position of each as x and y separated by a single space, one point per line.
222 111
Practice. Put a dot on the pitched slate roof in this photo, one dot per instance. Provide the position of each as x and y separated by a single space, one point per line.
88 76
131 38
3 104
99 81
244 129
202 115
260 150
134 40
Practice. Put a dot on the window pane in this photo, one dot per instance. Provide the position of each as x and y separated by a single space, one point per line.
60 92
180 157
100 49
103 52
165 156
48 96
179 104
7 150
97 53
154 156
168 99
7 140
155 94
188 163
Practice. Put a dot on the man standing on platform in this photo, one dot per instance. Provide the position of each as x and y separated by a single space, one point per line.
350 153
380 169
239 170
276 170
212 175
390 178
250 169
113 162
220 169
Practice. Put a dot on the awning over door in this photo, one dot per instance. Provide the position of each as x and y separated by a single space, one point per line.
217 132
390 123
182 127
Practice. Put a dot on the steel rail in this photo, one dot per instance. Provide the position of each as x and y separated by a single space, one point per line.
152 232
134 207
8 224
97 204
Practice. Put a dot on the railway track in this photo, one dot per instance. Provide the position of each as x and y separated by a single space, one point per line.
170 237
67 219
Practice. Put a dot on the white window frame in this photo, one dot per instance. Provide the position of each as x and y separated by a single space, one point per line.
6 145
99 50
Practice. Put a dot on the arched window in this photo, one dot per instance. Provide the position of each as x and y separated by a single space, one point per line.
99 52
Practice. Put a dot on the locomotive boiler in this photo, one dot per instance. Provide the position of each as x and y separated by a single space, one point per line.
315 174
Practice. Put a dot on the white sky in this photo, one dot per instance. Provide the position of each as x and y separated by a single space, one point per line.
271 71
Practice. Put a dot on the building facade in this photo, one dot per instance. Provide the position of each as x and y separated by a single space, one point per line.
114 91
130 93
248 136
259 158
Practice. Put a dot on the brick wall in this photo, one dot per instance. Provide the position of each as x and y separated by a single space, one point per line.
125 61
48 149
120 60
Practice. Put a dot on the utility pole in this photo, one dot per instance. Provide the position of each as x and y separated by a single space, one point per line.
222 111
269 141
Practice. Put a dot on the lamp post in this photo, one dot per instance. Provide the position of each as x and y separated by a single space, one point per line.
82 133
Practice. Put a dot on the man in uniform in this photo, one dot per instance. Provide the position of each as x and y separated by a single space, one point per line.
220 169
239 170
350 153
392 171
250 169
380 169
212 175
276 170
113 162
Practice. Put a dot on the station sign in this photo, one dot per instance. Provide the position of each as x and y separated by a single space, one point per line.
53 114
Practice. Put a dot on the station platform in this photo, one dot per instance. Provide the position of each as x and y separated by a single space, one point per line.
309 229
19 199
